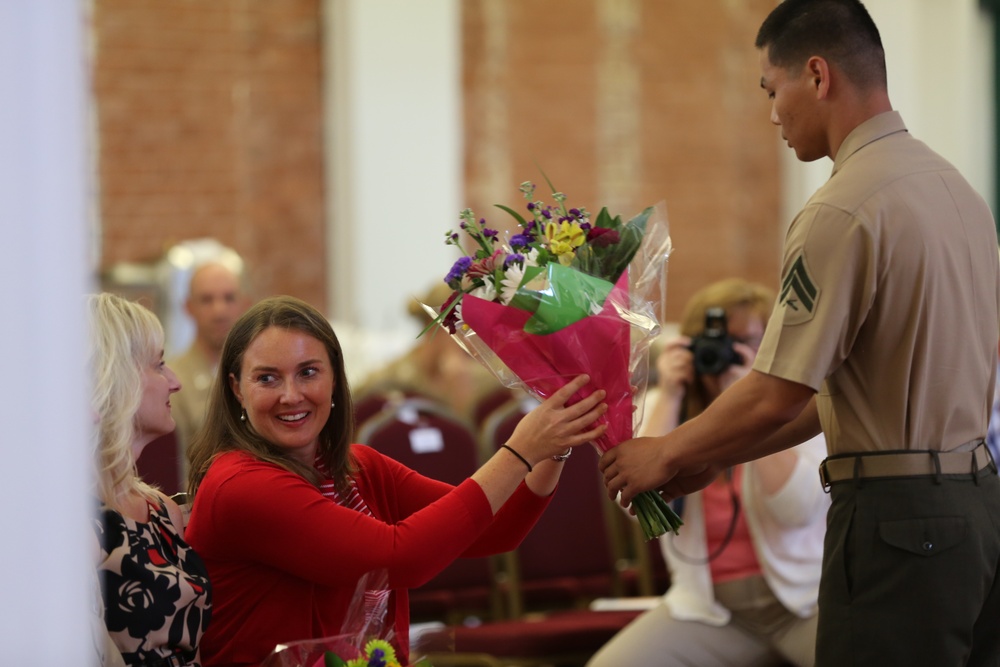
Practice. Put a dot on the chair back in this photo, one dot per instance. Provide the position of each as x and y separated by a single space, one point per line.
159 464
424 435
429 438
488 404
569 557
497 427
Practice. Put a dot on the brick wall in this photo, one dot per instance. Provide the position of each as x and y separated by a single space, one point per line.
625 103
209 123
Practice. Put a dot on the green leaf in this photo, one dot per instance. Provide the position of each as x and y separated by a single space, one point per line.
618 257
546 177
517 216
331 659
605 220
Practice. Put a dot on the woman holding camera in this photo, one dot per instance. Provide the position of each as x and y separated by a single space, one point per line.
745 567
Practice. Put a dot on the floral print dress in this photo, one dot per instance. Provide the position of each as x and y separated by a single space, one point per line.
157 598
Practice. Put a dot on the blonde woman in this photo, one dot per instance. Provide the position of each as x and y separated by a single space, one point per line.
155 589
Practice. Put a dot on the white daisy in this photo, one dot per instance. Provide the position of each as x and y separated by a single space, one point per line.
486 292
512 278
530 257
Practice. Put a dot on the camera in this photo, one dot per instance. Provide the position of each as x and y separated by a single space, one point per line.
713 349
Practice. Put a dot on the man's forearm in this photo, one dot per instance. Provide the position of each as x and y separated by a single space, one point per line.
759 415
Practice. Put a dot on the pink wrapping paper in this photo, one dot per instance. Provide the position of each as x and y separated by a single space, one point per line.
598 345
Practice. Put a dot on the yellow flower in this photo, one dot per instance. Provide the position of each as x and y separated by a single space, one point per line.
563 240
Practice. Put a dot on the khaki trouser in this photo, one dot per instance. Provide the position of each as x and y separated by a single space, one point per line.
762 633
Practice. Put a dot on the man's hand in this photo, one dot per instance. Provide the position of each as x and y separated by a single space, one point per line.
641 465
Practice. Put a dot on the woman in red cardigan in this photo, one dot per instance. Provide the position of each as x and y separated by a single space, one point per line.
288 515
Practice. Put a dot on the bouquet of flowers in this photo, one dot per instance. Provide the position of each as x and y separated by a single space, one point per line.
377 653
365 638
568 294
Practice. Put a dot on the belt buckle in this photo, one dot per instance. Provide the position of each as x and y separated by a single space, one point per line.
824 476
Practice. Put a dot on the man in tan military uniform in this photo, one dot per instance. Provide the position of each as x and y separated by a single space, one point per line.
884 334
215 301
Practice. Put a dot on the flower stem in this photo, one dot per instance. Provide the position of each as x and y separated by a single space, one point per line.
655 515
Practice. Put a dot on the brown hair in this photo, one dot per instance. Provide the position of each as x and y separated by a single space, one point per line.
223 431
726 294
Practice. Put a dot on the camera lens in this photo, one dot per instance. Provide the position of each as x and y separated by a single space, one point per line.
711 357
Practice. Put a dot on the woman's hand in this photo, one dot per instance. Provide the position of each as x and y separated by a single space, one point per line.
675 374
552 427
541 434
675 368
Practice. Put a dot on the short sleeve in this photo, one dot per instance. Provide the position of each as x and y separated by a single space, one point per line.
827 288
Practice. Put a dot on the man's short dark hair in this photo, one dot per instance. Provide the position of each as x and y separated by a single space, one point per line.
841 31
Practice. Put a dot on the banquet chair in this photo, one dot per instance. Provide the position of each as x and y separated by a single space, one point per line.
543 630
369 405
496 427
573 554
429 438
488 404
159 464
570 557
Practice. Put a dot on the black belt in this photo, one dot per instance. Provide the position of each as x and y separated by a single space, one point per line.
903 463
178 658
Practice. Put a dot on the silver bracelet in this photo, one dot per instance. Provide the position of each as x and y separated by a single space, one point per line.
564 455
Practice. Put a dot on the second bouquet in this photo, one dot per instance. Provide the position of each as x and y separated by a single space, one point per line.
567 294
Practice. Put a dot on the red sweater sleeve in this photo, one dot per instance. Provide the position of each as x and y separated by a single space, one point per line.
258 512
414 492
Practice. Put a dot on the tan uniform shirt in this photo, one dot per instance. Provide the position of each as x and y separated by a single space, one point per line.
188 406
889 298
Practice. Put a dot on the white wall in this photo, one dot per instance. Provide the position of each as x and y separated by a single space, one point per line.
46 559
394 163
939 58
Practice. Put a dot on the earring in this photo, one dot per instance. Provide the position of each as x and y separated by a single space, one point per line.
243 415
332 404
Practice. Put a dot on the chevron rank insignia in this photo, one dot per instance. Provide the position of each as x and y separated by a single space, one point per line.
799 293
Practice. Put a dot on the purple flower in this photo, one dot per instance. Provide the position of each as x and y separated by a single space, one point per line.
520 241
547 213
513 258
531 206
458 270
575 212
490 233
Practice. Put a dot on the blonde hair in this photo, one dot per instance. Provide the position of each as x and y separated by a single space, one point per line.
124 337
727 294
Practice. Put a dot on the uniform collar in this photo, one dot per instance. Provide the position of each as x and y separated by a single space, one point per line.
873 129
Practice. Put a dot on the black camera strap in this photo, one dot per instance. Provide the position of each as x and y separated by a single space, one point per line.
730 531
